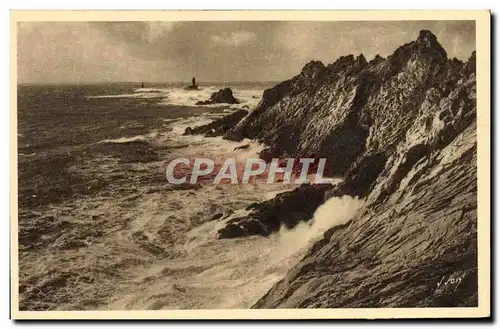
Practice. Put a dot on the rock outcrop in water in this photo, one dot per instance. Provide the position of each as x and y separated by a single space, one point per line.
193 86
287 209
218 127
401 131
222 96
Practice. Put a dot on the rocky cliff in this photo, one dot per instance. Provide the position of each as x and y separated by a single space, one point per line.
417 248
401 131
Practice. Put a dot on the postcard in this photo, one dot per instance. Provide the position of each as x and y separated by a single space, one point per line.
250 164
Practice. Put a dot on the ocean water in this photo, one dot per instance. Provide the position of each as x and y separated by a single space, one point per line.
100 227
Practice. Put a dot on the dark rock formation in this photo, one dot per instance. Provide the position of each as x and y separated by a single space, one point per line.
242 227
401 131
359 179
286 209
400 252
222 96
218 127
231 231
345 110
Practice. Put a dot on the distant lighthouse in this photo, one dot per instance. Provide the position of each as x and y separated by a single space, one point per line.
193 85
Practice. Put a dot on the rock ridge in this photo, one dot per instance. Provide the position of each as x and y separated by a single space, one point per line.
401 132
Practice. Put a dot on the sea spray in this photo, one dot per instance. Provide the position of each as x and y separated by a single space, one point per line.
248 96
335 211
195 270
230 273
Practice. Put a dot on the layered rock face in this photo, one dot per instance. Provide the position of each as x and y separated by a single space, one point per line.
402 133
416 249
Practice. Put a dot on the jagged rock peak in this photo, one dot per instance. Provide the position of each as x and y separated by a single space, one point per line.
361 60
377 59
472 58
426 36
342 62
344 59
427 39
470 65
313 67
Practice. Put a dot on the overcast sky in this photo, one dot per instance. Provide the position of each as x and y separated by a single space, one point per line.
51 52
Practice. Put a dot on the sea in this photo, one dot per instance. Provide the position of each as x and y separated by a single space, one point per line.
101 228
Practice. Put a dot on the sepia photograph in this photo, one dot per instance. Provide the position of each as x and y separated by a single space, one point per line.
250 164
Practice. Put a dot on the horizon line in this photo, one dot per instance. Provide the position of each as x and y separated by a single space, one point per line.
145 82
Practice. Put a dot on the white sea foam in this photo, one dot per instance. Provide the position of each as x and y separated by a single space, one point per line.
229 273
212 273
335 211
119 140
124 139
160 248
137 94
247 98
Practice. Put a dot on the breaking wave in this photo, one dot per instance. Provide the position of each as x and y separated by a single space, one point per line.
231 273
247 97
156 247
228 273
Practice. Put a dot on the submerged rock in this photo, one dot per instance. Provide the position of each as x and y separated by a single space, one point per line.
241 228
